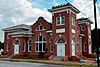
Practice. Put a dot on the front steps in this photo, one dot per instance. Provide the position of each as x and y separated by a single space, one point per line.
57 58
67 58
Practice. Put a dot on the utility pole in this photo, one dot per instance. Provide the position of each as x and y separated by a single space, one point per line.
97 43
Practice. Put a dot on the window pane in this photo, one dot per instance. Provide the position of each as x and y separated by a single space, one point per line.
36 46
40 27
23 46
30 42
16 42
43 46
7 47
40 47
37 28
29 47
58 20
40 38
43 39
61 40
62 20
73 22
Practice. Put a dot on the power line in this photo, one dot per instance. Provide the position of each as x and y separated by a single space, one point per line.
26 8
19 6
80 11
17 13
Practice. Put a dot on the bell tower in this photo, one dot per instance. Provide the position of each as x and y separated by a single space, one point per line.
64 26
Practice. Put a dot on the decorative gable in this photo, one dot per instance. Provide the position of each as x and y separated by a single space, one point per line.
41 24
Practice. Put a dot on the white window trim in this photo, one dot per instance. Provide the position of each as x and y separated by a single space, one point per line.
82 28
29 47
51 46
73 30
7 47
73 21
85 47
38 45
60 20
24 47
39 28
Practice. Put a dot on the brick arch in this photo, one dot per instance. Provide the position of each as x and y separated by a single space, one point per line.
74 40
60 37
30 39
15 40
40 35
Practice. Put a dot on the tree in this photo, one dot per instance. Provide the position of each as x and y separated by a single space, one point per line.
94 44
1 45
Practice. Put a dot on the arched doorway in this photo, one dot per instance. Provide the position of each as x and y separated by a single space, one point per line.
16 46
60 47
73 47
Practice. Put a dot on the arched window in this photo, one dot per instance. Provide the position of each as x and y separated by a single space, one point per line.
24 46
60 20
85 47
40 27
7 45
40 44
29 45
73 21
61 41
16 42
74 41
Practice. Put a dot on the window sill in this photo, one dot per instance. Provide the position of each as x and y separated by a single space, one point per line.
59 24
41 30
39 51
29 51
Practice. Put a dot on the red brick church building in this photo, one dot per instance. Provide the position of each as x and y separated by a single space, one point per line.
65 37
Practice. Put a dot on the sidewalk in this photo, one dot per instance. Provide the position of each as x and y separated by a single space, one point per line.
69 63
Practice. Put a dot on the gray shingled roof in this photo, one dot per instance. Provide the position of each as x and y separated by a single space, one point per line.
21 26
80 20
21 33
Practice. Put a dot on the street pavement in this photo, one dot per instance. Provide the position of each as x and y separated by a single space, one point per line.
27 64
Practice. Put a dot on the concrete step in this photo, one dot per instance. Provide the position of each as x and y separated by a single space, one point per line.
57 58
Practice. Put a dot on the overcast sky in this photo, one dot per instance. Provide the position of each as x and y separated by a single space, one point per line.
14 12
